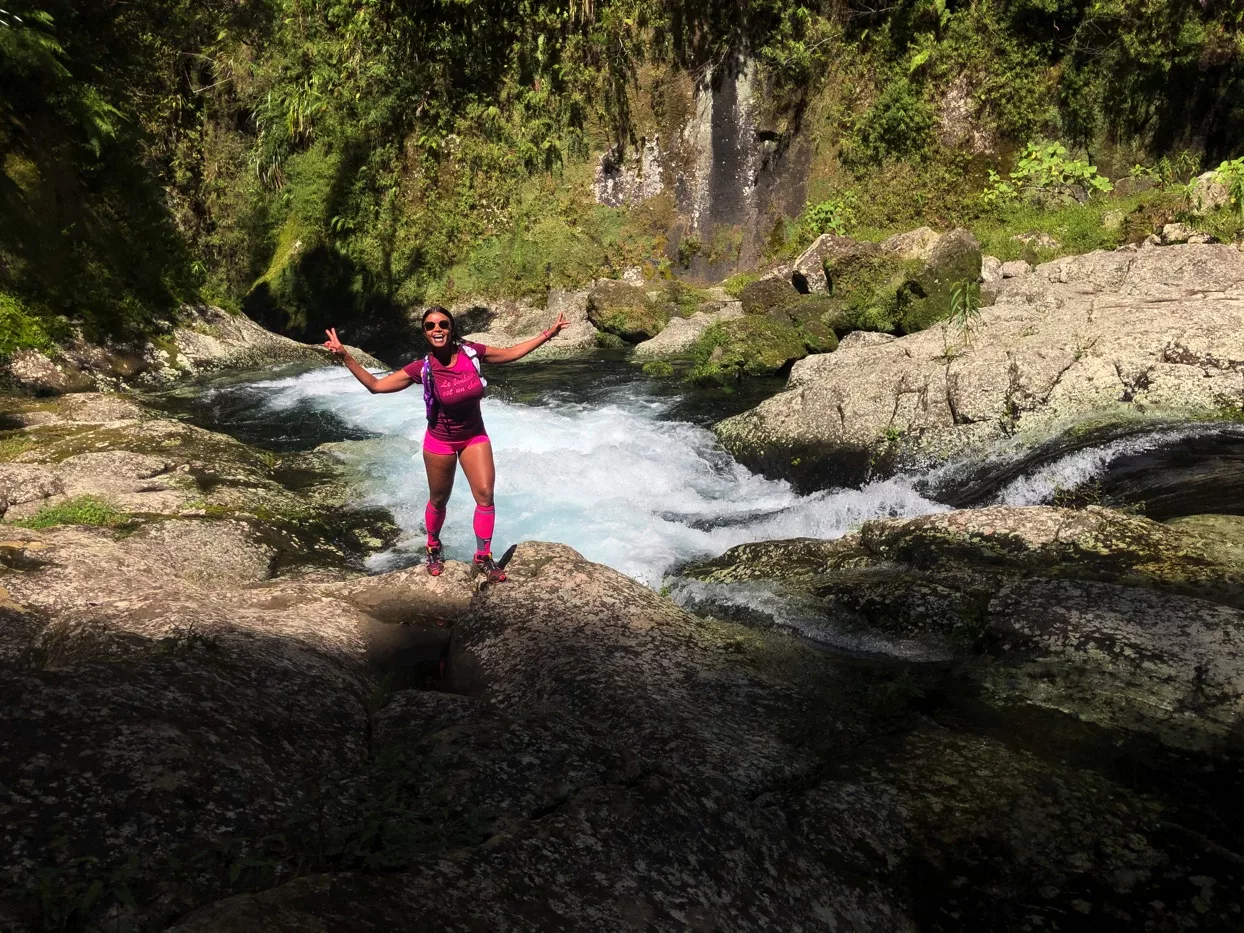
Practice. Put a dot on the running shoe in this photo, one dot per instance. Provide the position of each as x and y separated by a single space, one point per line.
488 567
436 562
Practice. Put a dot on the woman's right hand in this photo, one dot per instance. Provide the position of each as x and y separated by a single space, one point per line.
335 346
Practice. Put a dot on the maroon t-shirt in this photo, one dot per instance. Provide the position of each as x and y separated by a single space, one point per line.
458 391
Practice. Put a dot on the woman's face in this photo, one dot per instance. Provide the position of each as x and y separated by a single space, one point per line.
437 330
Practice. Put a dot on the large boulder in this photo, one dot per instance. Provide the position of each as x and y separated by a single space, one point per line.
1209 192
768 295
954 262
753 345
808 275
680 335
507 323
626 311
1108 336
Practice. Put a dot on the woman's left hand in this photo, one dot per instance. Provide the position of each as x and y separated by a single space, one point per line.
558 326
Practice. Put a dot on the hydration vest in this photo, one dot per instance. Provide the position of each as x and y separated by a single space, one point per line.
429 396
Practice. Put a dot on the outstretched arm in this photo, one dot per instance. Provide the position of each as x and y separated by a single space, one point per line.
519 350
393 382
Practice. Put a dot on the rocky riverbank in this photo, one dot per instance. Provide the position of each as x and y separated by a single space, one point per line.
214 721
1096 340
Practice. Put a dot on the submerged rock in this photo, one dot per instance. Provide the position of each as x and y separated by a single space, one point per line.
1108 336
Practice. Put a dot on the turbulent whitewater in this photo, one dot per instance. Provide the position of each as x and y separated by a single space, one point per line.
615 477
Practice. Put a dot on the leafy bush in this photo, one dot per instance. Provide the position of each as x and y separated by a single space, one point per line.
898 125
1231 174
835 215
19 328
1044 169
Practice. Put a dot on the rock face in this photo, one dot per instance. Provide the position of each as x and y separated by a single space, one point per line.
1109 336
1110 617
809 275
204 339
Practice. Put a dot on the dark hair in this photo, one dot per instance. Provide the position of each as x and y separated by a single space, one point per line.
437 309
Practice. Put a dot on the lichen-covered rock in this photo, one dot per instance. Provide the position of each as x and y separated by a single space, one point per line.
679 336
1209 192
808 275
768 295
508 323
914 244
626 311
1112 336
955 261
754 345
35 372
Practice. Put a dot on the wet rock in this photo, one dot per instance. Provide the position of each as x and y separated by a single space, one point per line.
625 311
1109 336
1114 618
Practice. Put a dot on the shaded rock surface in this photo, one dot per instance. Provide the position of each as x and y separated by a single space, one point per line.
1109 336
209 735
625 311
1107 616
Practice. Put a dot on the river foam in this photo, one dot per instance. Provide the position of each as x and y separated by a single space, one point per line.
617 478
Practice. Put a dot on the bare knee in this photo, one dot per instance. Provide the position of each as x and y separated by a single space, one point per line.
438 499
483 496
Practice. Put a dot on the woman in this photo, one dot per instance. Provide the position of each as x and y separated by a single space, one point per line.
452 389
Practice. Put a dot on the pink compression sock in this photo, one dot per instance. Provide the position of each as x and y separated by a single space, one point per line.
485 519
433 520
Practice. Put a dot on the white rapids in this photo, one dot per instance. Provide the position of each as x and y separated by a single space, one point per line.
616 479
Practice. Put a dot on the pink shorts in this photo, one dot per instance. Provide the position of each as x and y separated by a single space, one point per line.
435 445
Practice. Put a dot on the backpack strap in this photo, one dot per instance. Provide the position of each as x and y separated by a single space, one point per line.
429 396
474 358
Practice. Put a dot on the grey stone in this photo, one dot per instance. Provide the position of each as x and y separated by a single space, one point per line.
1108 336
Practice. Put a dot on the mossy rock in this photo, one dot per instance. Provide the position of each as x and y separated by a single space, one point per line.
767 296
755 345
658 369
865 291
626 312
607 341
1152 216
926 298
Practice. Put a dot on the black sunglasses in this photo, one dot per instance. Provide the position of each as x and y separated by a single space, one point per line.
436 325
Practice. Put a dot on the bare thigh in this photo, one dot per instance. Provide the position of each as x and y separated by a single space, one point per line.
440 469
480 471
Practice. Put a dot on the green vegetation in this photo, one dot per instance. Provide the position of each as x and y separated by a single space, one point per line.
329 160
658 369
82 510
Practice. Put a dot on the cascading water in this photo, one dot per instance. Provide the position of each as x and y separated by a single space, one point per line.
615 477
